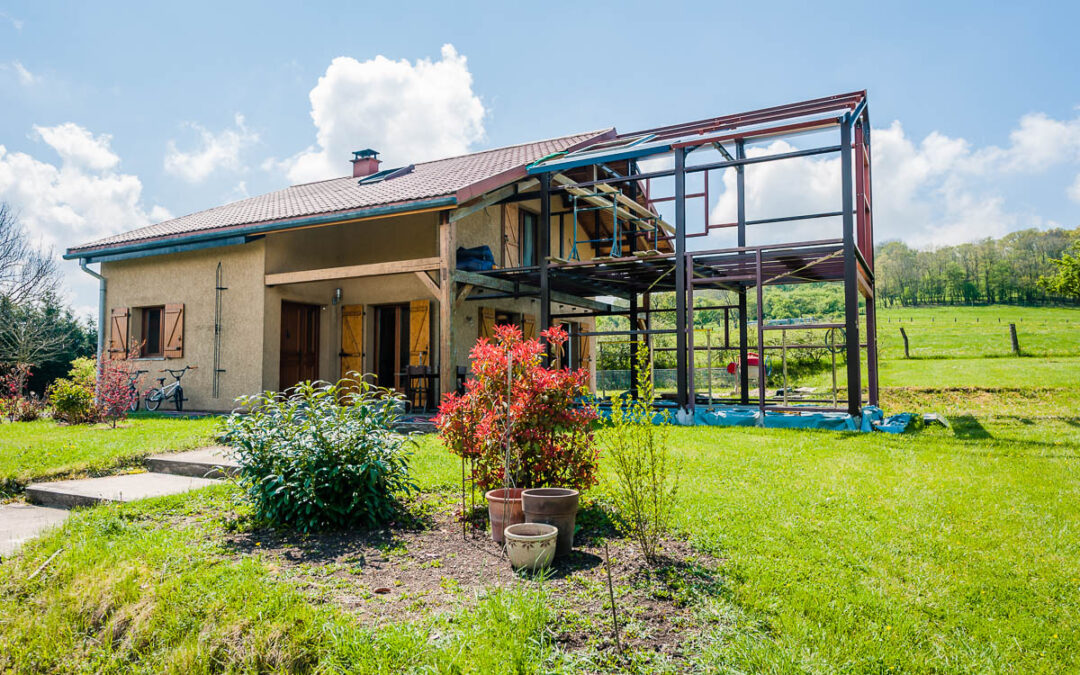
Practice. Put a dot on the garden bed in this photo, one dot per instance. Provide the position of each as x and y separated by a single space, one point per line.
429 566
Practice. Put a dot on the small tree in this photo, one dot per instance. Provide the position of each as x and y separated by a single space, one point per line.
645 487
550 435
114 393
1065 281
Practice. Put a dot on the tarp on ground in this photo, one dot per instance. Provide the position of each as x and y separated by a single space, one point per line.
871 419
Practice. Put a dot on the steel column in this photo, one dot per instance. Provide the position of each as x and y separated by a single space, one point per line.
744 336
851 285
760 333
543 247
633 347
680 278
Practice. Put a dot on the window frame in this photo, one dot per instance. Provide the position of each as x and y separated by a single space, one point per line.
145 350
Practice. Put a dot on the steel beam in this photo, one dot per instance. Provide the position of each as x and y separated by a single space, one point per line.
680 279
543 247
740 197
851 283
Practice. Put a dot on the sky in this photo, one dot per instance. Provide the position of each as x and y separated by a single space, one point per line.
114 116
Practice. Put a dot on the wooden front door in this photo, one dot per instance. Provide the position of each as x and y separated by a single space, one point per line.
352 339
299 343
391 345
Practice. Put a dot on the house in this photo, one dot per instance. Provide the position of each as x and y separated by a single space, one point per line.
357 273
397 271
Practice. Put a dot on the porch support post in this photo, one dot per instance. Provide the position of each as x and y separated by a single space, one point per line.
634 346
448 257
744 335
681 383
851 271
543 252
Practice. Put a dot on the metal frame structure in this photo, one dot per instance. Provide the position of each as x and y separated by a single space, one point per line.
607 177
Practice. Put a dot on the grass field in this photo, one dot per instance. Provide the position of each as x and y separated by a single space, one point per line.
44 449
941 551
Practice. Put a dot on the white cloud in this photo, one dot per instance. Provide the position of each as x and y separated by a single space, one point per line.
409 112
936 191
215 151
81 199
78 147
22 73
17 24
1074 190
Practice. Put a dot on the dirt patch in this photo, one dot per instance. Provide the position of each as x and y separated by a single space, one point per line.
430 566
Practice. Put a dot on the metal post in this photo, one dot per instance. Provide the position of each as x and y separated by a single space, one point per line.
708 360
851 286
543 246
783 360
690 360
680 278
744 337
871 348
760 331
633 347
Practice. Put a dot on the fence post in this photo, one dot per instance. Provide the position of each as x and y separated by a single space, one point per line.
903 333
1015 340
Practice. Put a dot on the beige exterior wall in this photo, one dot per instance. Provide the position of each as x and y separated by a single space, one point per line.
251 311
189 278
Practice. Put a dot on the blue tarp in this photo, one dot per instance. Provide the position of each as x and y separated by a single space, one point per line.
476 259
872 419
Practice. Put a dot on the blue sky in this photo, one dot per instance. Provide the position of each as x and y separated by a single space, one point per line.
116 116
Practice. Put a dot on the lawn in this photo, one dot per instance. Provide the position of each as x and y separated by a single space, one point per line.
940 551
43 449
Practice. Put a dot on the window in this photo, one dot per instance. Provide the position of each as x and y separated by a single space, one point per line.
153 335
528 239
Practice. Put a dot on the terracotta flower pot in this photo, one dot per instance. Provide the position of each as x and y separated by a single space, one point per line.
531 546
504 509
553 506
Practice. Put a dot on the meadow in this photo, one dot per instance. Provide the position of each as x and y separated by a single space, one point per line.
944 550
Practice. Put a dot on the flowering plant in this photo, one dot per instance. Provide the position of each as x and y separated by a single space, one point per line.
513 398
115 390
15 403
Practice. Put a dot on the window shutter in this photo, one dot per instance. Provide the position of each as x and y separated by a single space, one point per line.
511 252
118 333
419 333
584 355
174 331
487 322
528 326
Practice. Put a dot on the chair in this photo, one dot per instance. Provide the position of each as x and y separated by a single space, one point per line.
462 375
418 387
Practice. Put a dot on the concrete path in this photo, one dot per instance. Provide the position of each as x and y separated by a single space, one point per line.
20 522
170 474
212 462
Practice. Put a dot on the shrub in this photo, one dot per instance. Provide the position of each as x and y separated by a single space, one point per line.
15 403
551 438
322 455
644 490
114 393
72 402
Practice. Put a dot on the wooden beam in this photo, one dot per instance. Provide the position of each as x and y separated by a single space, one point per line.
447 266
432 287
353 271
493 197
462 294
483 281
561 179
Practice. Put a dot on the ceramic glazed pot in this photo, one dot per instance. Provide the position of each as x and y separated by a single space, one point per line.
531 546
504 509
553 506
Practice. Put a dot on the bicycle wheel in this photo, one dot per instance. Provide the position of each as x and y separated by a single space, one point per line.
153 399
134 405
178 398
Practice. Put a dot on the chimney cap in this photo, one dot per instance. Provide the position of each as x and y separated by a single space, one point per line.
364 154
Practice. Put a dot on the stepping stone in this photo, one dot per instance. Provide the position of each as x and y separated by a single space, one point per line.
127 488
20 522
212 462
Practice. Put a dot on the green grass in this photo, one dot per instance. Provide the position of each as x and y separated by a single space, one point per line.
152 587
944 551
44 449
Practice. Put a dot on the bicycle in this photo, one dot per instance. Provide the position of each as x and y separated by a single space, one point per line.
133 382
173 390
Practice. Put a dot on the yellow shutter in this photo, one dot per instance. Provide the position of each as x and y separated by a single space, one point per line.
486 327
419 333
118 333
174 331
583 346
352 339
511 250
528 326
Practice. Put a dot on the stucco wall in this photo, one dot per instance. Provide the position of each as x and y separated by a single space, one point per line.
189 278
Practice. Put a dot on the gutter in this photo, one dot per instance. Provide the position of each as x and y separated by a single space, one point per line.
101 306
262 228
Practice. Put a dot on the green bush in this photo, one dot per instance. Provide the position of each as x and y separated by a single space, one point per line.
84 372
71 401
322 455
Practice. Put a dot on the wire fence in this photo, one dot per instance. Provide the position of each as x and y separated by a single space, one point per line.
617 381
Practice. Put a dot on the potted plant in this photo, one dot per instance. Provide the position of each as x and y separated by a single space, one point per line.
553 506
531 546
519 425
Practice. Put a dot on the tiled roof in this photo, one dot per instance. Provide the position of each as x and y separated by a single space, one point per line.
438 178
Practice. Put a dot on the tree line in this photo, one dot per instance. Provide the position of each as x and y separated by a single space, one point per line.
1006 270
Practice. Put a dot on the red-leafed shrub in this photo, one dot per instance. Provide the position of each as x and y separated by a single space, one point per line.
551 438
